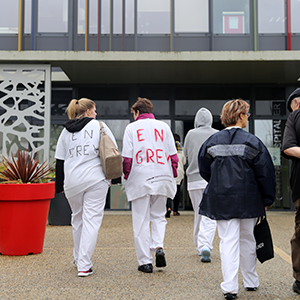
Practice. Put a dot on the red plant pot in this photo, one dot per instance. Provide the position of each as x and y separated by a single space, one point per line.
23 217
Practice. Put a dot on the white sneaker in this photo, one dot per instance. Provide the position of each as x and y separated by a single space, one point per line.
85 273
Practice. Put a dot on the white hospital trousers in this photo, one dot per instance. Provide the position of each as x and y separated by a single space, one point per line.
87 214
146 210
204 227
237 247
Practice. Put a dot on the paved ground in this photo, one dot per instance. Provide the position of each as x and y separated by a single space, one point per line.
52 274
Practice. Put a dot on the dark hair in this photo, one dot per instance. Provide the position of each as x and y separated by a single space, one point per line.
143 105
232 110
77 108
176 137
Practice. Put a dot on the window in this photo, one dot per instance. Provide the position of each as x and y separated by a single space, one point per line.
231 16
295 8
105 16
9 16
93 15
81 17
270 133
191 16
190 107
160 107
112 108
264 130
270 108
53 16
129 16
271 18
117 127
153 16
118 16
27 18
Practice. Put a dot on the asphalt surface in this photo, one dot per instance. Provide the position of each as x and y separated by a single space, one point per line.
52 274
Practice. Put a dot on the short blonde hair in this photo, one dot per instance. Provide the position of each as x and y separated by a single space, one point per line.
232 110
77 108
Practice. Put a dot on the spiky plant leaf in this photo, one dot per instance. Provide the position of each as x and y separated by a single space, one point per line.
24 169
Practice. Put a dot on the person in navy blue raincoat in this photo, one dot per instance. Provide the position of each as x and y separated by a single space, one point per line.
241 183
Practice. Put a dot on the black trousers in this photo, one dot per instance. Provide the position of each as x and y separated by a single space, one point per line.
176 200
295 242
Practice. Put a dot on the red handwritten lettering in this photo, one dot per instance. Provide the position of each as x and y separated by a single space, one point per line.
139 159
139 135
156 133
148 156
159 157
167 157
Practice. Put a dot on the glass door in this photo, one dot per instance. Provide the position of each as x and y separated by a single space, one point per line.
270 132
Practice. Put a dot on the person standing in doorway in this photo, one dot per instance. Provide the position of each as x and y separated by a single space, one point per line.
80 176
204 228
291 150
150 167
179 178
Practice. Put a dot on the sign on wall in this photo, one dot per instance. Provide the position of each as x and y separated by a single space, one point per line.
25 104
233 22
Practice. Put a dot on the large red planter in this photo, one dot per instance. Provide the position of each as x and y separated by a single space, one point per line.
23 217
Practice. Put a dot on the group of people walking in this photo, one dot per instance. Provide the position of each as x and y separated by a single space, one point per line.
230 181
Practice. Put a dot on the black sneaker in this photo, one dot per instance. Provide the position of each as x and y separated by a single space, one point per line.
251 289
230 296
85 273
160 258
146 268
296 286
168 213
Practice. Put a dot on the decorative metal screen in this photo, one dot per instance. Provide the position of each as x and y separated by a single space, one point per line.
25 96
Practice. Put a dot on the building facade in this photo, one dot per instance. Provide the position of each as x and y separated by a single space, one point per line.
181 54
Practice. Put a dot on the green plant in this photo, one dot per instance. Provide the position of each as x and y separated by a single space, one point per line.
24 168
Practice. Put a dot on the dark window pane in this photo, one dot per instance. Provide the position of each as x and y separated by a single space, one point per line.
112 108
161 107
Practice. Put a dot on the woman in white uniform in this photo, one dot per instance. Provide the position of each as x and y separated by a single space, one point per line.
149 165
80 176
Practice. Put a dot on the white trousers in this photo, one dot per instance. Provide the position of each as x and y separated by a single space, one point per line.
237 248
204 227
87 214
146 210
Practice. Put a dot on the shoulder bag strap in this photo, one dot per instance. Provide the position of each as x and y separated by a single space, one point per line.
101 128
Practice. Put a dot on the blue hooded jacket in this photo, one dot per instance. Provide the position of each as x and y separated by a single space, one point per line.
240 175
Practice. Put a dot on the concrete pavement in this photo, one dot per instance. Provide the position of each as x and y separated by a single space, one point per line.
52 274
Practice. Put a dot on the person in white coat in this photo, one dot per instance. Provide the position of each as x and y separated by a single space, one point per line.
80 176
149 165
204 228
